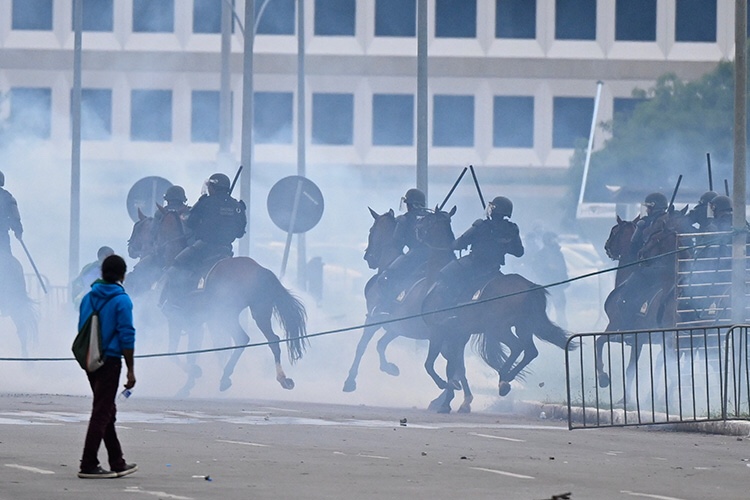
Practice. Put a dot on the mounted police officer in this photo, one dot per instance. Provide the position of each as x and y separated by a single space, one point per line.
216 221
176 202
699 214
12 281
10 219
408 264
490 240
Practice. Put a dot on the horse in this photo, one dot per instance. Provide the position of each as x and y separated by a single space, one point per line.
380 252
229 287
15 302
618 247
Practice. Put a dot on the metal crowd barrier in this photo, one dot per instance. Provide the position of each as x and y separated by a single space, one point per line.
682 375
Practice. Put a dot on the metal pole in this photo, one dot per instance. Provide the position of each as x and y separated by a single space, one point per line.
301 131
422 105
586 163
225 93
740 161
247 120
75 156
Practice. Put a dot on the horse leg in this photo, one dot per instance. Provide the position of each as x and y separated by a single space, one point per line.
230 323
350 384
599 358
513 366
631 385
468 396
385 365
262 318
429 364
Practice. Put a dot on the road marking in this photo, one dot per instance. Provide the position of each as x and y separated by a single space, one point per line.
160 494
373 456
496 437
29 469
648 495
503 473
243 442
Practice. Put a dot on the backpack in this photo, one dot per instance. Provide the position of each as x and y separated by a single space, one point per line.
87 346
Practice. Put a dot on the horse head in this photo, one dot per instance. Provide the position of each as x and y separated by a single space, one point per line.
141 241
381 249
618 242
435 231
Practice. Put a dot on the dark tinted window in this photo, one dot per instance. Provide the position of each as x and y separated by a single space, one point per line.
207 16
575 19
275 17
31 111
635 20
96 114
333 119
695 21
274 112
151 115
153 16
515 19
453 121
513 119
571 120
98 15
32 15
334 17
392 120
455 18
395 17
204 116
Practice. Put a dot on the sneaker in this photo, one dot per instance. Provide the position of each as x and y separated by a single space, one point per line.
97 473
128 469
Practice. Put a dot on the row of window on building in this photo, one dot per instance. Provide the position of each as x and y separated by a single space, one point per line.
635 20
333 117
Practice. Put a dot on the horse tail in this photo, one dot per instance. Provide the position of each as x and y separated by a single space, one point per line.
290 312
491 350
544 328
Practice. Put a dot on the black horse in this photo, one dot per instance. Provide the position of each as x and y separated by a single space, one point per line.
15 302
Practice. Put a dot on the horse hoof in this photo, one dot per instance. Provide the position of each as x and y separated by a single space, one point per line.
436 403
444 410
464 409
390 369
603 380
287 383
503 388
350 386
225 384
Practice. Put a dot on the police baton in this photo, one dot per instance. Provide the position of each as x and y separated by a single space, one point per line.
234 182
455 184
476 183
710 177
674 193
36 271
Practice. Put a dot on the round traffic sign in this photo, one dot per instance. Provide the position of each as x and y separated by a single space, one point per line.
146 194
292 191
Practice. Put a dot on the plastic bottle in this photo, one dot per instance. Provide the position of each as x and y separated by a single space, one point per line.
124 395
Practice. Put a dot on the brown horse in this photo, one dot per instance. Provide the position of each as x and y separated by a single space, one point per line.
381 250
230 286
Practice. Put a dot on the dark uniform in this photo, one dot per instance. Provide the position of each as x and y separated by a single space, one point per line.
176 202
12 282
10 219
698 216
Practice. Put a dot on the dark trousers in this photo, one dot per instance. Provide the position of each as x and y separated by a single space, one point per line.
104 384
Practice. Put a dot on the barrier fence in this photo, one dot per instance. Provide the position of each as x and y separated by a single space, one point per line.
668 376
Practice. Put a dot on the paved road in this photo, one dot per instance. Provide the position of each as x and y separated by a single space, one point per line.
284 450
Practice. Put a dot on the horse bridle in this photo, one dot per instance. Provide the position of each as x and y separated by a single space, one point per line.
421 231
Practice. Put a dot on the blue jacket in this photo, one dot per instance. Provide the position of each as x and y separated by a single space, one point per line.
116 316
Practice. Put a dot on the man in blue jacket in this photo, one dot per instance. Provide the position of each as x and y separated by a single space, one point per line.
118 341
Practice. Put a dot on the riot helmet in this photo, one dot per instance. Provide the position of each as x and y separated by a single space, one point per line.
499 207
655 202
707 197
721 204
219 182
414 198
2 179
175 193
104 252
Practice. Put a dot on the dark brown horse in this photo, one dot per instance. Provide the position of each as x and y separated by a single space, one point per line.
231 285
619 249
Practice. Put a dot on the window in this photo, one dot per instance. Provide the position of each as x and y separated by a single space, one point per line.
571 120
623 109
635 20
333 119
395 17
575 19
32 15
335 17
98 15
274 112
515 19
153 16
207 16
204 116
277 17
513 122
31 111
453 121
392 119
151 115
455 18
695 21
96 114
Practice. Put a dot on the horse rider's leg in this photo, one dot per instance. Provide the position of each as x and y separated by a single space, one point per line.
385 365
228 321
350 385
262 317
